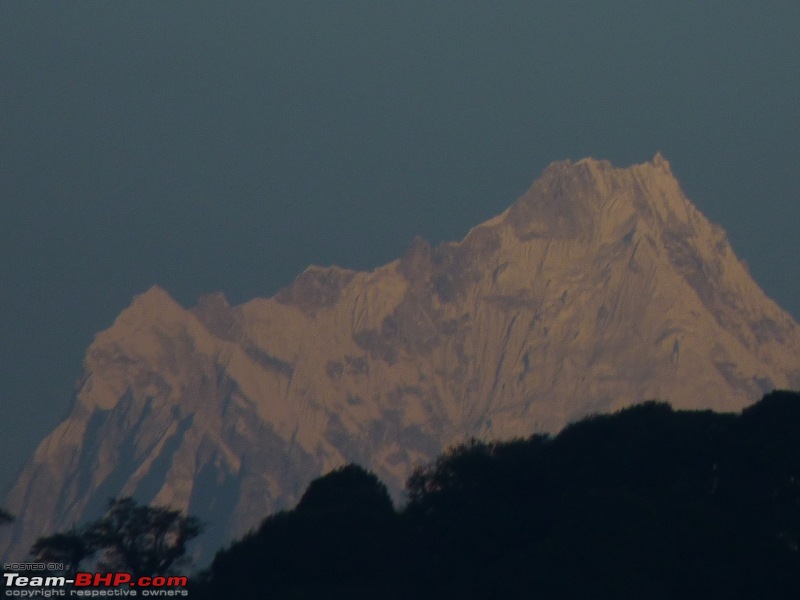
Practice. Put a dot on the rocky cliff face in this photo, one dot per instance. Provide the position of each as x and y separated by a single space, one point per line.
598 288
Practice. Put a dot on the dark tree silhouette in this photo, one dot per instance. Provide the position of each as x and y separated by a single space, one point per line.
645 503
69 549
5 517
144 540
338 542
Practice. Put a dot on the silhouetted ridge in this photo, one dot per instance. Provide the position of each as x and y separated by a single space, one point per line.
646 503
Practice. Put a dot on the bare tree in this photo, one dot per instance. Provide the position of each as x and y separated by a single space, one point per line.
144 540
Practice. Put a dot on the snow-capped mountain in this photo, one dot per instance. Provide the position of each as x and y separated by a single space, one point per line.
600 287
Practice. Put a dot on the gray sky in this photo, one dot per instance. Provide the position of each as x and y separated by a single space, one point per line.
207 145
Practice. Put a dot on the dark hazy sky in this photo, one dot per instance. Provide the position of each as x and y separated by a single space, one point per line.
206 145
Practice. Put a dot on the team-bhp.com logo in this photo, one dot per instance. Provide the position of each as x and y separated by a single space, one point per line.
93 585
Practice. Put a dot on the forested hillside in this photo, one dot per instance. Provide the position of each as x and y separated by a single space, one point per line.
645 503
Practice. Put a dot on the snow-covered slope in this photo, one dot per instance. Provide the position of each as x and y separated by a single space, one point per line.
600 287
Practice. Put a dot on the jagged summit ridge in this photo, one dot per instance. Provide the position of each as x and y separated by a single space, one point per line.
574 199
598 288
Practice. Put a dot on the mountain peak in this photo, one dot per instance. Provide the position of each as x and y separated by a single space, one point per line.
156 298
600 287
221 319
591 198
661 162
316 288
154 305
